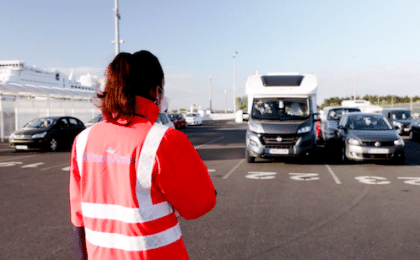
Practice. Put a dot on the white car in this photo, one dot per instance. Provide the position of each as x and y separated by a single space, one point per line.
193 119
163 119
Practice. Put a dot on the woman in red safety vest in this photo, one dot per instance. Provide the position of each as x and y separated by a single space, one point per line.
130 176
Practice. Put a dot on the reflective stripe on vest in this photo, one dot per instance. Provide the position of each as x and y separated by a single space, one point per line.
147 211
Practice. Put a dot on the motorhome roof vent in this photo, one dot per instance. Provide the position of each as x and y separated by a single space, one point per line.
275 81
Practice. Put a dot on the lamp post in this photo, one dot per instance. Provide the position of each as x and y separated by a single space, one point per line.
117 40
234 82
354 85
210 93
225 101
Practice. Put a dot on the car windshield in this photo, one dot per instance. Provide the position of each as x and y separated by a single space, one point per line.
40 123
280 109
368 122
336 114
401 115
191 115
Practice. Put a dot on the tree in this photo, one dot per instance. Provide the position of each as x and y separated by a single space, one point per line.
242 103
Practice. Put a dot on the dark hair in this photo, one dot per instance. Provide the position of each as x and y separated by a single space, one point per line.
127 76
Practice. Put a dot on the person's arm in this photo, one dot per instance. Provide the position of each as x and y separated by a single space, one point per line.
79 243
78 231
183 177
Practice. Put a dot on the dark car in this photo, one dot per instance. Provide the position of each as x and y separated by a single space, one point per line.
400 117
369 136
415 130
47 133
330 117
178 120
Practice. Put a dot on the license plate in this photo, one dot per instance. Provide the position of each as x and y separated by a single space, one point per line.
278 151
21 147
379 150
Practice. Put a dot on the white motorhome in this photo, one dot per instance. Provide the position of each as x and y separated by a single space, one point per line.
363 105
282 110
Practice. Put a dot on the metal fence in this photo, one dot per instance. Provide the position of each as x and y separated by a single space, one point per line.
16 111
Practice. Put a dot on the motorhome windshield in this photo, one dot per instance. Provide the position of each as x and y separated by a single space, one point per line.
280 109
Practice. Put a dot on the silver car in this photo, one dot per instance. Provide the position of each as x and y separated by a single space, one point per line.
330 117
369 136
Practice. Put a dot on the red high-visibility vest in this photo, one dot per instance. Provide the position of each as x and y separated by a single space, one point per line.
125 183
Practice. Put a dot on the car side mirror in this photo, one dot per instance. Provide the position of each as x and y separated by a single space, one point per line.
315 117
396 127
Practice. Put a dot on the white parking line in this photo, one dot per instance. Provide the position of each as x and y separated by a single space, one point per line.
55 166
15 158
198 146
333 174
234 168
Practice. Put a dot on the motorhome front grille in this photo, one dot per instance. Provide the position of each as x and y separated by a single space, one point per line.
283 140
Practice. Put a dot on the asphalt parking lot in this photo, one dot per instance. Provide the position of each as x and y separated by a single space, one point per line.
272 209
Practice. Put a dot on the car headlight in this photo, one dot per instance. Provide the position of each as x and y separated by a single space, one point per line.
39 135
304 129
399 142
256 128
353 141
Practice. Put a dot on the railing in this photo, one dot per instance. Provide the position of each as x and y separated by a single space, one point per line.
15 112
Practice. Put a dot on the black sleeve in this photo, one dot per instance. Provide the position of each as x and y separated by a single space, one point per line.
79 243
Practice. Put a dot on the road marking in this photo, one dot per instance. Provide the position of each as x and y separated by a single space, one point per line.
198 146
261 175
34 165
373 180
337 181
411 180
304 176
8 164
211 170
19 157
234 168
60 165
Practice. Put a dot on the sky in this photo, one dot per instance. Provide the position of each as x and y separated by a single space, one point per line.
365 47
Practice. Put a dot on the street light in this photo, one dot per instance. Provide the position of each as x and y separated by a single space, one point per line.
210 94
225 101
234 82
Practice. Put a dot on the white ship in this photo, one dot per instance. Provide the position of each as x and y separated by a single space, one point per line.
16 78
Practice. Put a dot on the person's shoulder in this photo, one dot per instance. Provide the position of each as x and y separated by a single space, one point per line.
172 133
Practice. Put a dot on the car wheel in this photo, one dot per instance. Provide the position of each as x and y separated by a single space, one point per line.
53 145
400 160
249 158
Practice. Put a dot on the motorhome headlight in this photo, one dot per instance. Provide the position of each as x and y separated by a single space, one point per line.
39 135
257 128
353 141
304 129
399 142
